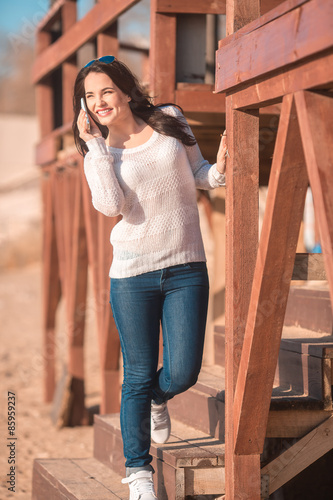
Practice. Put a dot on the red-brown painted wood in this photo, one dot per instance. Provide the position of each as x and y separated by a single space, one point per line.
275 261
241 245
260 51
191 7
162 55
51 288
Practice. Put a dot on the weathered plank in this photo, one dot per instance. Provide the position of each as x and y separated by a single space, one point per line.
316 123
273 271
277 9
205 481
299 456
76 480
260 51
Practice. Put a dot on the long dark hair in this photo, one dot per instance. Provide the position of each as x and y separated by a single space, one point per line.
141 104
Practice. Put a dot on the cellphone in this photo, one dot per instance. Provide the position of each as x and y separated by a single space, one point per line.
83 106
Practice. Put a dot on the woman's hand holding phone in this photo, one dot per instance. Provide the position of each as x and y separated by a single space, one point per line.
86 125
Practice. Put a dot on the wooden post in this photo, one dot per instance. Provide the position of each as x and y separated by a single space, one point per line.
162 55
274 267
107 41
51 287
242 472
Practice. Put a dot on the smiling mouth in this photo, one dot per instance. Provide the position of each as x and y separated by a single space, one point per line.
104 112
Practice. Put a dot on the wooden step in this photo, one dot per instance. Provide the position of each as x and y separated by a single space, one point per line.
191 463
292 414
305 365
76 479
310 308
202 407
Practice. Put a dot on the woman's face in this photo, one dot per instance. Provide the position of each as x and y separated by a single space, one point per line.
106 102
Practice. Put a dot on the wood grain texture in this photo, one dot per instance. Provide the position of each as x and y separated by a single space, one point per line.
260 52
284 211
242 473
240 13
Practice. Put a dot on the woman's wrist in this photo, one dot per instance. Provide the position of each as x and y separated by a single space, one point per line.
220 167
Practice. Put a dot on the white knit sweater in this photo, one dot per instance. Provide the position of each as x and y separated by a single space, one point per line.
153 186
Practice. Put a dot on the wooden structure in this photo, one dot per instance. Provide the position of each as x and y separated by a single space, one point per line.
251 88
258 276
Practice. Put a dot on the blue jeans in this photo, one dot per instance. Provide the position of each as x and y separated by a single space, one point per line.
176 297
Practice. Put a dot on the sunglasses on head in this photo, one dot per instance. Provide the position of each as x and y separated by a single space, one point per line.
103 59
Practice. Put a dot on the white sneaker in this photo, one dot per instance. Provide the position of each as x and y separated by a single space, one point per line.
141 485
160 423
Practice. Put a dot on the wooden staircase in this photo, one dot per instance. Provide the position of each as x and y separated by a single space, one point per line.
192 462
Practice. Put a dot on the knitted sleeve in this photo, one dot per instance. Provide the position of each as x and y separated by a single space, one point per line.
206 175
107 195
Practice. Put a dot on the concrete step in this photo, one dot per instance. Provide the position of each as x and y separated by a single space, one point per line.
190 464
76 479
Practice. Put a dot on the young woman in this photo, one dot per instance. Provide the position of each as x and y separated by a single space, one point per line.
142 161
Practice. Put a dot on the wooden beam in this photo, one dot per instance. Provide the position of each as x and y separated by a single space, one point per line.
312 73
258 22
284 211
162 55
309 266
95 21
299 456
191 7
203 101
316 123
242 472
259 52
